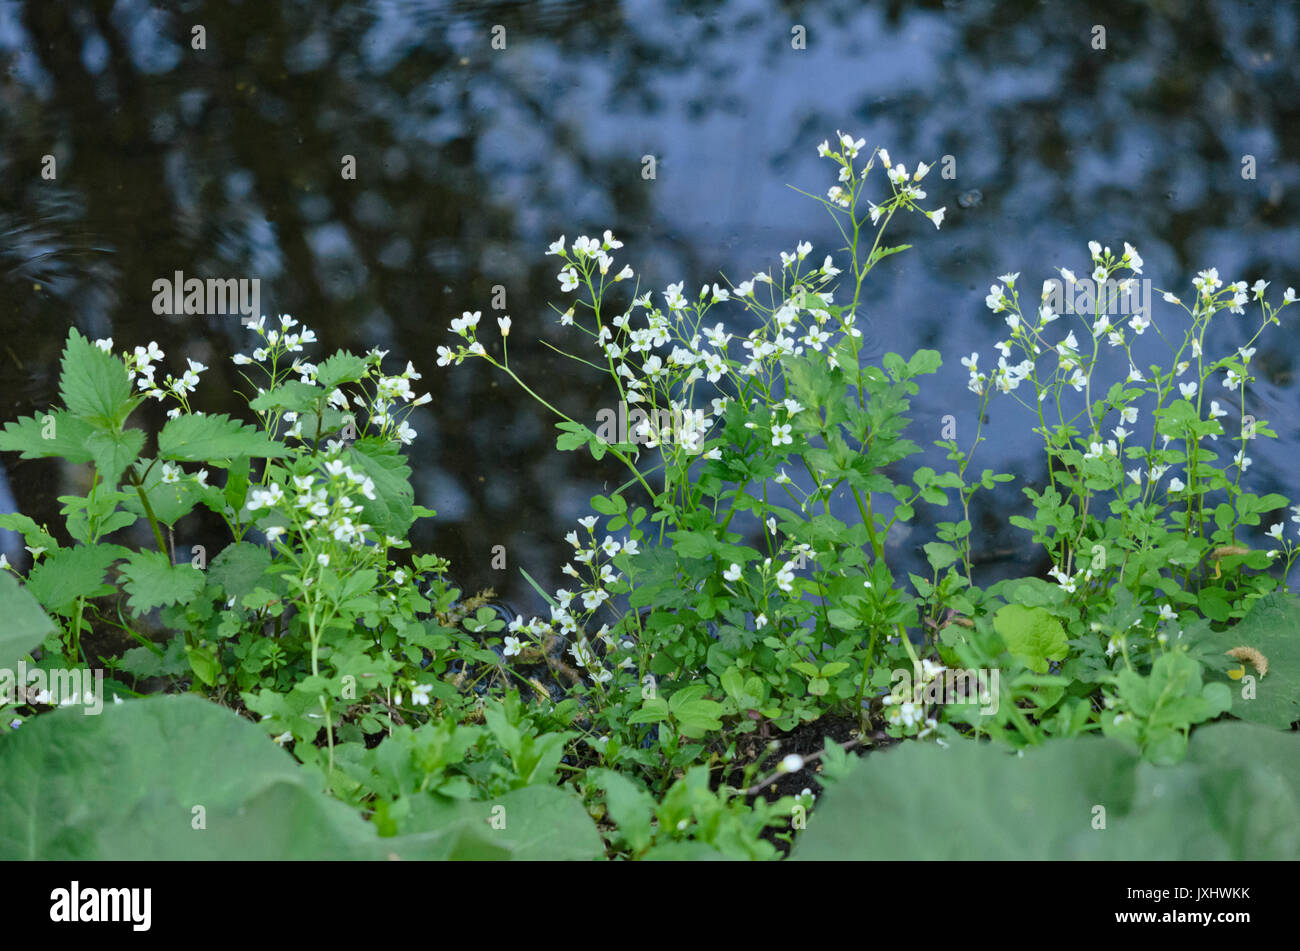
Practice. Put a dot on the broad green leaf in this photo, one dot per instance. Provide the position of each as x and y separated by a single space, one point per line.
1236 796
25 624
239 567
58 579
631 807
212 439
113 452
170 501
1031 634
392 509
535 823
940 555
153 581
179 778
57 433
94 384
1273 629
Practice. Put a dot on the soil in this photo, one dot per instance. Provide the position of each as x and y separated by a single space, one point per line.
805 740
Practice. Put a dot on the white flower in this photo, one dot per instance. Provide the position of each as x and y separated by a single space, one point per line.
420 694
732 573
792 763
1167 613
323 560
936 217
1187 389
504 323
465 322
1275 531
781 434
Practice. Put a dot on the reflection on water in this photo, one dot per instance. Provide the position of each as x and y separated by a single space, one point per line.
226 161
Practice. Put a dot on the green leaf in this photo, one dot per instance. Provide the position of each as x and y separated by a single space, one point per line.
1032 635
126 785
239 567
573 436
153 581
342 367
924 361
940 555
535 823
631 807
1236 796
94 385
25 624
1273 629
294 396
204 663
113 452
70 573
391 511
36 437
33 534
212 439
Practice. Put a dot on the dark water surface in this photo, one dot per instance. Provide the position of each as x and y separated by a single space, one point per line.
225 162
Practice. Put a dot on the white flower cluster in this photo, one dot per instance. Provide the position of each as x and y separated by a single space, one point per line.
319 503
391 392
574 610
905 189
140 370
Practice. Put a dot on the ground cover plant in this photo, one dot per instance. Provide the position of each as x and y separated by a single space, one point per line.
734 598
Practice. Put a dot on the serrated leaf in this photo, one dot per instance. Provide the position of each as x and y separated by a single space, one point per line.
67 437
70 573
391 511
93 383
195 438
294 396
153 581
113 452
342 367
239 567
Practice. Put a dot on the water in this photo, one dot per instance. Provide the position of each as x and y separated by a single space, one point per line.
225 162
